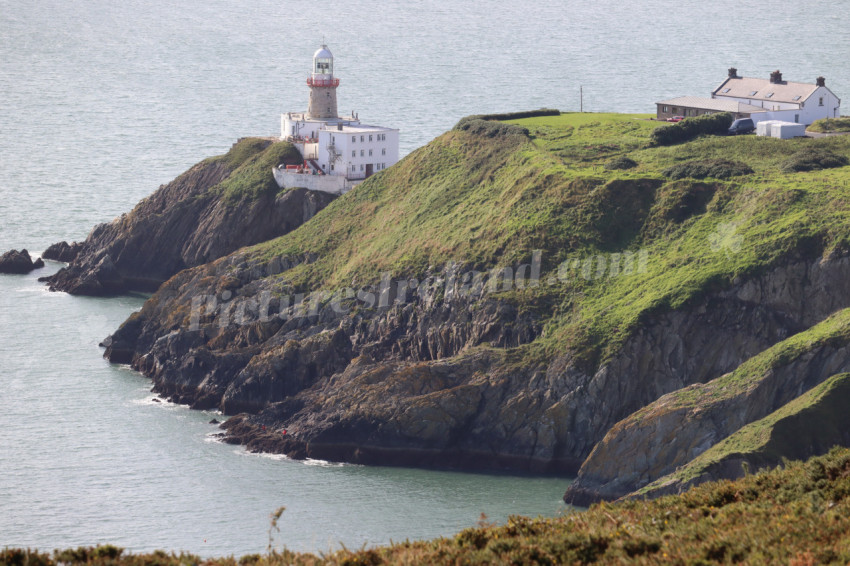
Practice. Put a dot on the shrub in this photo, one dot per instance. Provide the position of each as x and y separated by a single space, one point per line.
831 125
690 128
511 115
621 162
702 168
487 128
813 158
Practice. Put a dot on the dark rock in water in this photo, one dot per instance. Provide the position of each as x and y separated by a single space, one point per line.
63 251
155 400
215 421
18 262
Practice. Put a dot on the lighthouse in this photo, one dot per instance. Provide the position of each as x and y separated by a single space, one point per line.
322 86
338 151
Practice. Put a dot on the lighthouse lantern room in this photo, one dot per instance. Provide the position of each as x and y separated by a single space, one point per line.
339 152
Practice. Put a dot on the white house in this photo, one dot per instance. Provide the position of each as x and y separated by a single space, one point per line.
760 99
339 152
802 103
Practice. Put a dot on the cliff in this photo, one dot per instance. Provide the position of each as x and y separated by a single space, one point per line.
508 295
214 208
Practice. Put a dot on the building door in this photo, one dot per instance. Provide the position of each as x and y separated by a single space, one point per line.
369 170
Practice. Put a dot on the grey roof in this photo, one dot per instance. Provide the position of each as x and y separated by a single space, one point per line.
716 104
786 91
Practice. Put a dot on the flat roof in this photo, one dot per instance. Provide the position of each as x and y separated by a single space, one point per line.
359 129
717 104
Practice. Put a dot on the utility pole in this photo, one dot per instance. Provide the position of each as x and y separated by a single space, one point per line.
581 98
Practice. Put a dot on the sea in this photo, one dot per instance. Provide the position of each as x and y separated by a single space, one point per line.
101 102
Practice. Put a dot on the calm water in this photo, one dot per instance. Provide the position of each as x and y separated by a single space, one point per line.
101 102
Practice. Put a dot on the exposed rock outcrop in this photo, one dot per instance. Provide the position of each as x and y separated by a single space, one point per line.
406 385
190 221
63 251
19 262
661 437
810 425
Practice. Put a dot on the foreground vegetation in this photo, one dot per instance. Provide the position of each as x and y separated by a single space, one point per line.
798 515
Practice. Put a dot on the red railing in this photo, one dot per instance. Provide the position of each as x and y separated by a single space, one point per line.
322 82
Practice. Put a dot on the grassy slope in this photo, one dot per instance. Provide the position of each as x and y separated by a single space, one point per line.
814 421
799 515
488 202
252 160
832 125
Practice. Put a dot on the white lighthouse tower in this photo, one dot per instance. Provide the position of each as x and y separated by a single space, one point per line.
339 152
322 86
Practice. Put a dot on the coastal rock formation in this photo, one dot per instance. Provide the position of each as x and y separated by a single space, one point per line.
214 208
19 262
63 251
809 425
499 299
665 434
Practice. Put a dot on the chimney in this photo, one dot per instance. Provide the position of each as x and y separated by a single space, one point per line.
733 73
776 77
820 81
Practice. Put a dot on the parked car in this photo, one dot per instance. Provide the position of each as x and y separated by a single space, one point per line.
742 126
676 119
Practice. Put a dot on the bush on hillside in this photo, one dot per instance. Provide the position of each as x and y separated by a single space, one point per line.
621 162
702 168
813 158
470 123
513 115
482 127
831 125
690 128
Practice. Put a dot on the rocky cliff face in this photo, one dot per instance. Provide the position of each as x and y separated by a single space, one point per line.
666 434
188 222
809 425
407 384
402 383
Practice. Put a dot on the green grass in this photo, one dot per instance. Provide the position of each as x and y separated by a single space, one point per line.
831 125
252 160
485 201
799 515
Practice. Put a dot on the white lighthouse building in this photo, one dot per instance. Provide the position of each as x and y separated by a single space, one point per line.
339 152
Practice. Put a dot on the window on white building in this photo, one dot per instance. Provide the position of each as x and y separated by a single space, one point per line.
383 151
361 138
370 137
353 153
354 138
354 167
821 101
361 167
362 153
370 152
